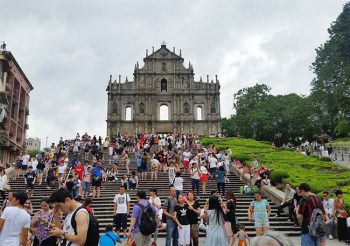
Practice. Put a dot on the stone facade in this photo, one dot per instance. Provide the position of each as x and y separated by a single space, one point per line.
14 108
163 98
33 144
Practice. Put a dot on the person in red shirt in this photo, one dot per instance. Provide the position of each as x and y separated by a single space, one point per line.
79 169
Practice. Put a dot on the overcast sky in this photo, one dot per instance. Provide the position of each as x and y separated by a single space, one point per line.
68 49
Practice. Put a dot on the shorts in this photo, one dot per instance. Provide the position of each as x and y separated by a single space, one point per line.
24 167
96 182
259 223
40 171
127 162
144 169
186 164
30 186
19 165
120 221
86 186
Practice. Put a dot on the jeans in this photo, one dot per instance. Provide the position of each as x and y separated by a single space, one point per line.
330 226
172 233
212 171
308 240
195 184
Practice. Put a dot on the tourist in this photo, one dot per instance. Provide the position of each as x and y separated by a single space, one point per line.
204 176
138 164
3 183
172 233
154 168
25 161
15 222
296 200
137 211
263 176
181 214
61 172
171 173
110 154
79 169
50 175
259 211
18 166
40 170
186 159
42 221
76 189
109 238
288 201
193 212
64 200
29 180
195 177
127 161
230 214
308 203
227 160
214 216
134 180
86 182
125 182
178 183
328 207
221 180
155 201
242 237
96 174
121 211
340 215
272 238
144 168
213 165
28 205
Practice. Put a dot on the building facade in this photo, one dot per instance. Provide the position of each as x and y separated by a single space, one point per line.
14 108
33 144
163 98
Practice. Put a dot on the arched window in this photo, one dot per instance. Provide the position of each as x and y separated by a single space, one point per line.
164 112
163 85
114 108
186 108
128 113
199 113
142 108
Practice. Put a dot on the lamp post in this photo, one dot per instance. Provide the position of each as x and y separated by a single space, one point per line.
46 141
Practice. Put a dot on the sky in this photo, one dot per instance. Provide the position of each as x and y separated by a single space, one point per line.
69 48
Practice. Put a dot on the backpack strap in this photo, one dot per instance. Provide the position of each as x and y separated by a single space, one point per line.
111 238
73 222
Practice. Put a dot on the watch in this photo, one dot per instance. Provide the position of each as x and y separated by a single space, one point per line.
64 235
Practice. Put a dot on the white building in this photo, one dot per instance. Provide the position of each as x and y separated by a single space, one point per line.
33 143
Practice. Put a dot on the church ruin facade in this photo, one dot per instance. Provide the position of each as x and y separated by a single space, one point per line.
163 98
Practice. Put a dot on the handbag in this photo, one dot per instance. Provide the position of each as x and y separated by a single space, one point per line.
7 187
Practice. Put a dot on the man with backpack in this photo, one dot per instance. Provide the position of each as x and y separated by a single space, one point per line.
143 220
313 217
80 227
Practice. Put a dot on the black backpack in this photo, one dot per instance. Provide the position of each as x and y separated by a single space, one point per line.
93 235
148 219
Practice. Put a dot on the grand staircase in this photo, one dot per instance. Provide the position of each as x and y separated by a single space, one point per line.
103 206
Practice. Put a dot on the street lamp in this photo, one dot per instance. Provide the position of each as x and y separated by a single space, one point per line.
46 141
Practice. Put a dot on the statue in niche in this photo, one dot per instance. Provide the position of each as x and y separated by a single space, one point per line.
163 67
142 108
163 85
114 108
186 108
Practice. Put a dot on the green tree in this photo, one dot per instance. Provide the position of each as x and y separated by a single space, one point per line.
330 89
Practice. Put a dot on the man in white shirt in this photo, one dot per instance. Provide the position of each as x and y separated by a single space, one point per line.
15 222
287 201
328 207
64 200
121 211
25 160
110 154
213 165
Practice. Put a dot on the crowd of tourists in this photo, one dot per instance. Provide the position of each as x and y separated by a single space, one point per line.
82 165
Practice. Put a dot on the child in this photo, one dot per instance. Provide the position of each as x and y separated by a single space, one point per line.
178 183
181 214
241 235
29 179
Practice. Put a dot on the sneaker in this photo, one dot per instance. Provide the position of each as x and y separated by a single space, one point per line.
330 237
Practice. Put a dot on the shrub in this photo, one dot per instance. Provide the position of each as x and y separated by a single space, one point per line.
241 157
325 158
277 177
